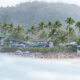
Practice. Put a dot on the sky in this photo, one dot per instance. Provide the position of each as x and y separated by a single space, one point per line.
5 3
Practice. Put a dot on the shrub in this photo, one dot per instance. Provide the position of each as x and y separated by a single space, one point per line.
8 49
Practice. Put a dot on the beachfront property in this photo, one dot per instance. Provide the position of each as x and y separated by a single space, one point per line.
78 50
43 43
2 38
36 43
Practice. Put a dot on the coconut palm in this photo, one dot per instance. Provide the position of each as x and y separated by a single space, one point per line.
52 34
41 25
27 38
4 28
71 33
0 24
33 29
78 25
57 24
43 35
19 28
69 21
18 32
49 25
61 36
28 31
11 27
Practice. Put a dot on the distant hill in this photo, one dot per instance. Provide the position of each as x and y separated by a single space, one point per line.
32 13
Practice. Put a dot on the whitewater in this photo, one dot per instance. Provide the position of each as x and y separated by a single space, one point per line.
22 68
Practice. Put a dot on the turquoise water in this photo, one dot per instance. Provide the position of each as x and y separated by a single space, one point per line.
18 68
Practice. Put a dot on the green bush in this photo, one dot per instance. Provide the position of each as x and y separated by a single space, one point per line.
71 49
42 50
36 49
56 48
8 49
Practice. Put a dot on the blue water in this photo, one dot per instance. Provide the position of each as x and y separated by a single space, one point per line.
19 68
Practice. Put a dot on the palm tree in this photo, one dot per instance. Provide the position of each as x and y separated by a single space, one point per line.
52 34
43 35
71 33
78 25
33 29
57 24
18 32
28 31
61 36
41 25
27 38
11 26
0 26
70 21
4 28
49 25
19 28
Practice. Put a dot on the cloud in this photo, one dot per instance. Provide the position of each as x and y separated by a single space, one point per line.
14 2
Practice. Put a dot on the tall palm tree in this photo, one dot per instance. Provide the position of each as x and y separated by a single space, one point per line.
0 26
43 35
27 38
49 25
11 27
78 26
18 32
61 36
71 31
52 34
69 21
10 31
41 25
20 28
57 24
4 28
33 29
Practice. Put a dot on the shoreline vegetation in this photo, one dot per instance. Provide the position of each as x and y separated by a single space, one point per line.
46 56
15 38
43 53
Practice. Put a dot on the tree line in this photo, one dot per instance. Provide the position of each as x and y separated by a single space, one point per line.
44 31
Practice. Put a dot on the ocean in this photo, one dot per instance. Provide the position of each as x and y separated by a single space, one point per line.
22 68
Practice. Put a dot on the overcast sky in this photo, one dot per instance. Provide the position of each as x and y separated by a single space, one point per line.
14 2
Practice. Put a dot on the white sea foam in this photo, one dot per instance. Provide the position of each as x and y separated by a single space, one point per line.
19 68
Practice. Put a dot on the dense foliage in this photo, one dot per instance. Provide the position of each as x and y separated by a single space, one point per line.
43 31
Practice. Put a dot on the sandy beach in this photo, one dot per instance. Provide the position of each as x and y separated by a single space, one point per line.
47 56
